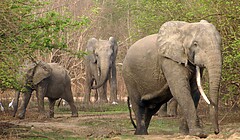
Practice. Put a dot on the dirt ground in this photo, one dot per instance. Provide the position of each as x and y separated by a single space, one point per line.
103 125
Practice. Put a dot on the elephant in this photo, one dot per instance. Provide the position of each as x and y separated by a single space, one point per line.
170 64
100 67
169 109
48 80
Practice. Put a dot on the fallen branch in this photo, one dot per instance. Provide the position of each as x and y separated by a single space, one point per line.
228 112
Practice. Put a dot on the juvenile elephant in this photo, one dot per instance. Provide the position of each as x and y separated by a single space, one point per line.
100 66
49 80
164 65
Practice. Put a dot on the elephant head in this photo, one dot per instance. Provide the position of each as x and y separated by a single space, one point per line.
41 71
199 44
33 74
103 54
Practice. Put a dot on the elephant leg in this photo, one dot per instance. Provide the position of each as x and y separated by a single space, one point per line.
89 83
139 110
113 85
163 111
196 96
140 119
172 107
68 97
51 107
26 98
103 94
73 108
41 92
183 128
178 80
144 116
149 112
87 96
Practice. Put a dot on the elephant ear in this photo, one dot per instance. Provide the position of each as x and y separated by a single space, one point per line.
114 46
42 71
170 42
217 35
91 47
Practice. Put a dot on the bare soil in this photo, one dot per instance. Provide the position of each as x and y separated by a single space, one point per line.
102 125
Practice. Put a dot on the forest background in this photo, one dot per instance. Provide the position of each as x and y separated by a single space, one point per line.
57 31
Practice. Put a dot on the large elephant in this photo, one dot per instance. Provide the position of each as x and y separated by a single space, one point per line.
164 65
49 80
100 66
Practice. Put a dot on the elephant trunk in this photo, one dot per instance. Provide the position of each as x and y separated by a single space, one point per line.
15 103
214 67
103 72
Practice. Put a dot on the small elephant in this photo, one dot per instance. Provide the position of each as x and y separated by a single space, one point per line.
49 80
169 64
100 66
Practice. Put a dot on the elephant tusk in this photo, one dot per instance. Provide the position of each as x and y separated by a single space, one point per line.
199 85
119 64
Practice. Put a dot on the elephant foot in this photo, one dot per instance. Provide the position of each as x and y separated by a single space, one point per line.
51 115
141 133
21 116
183 128
198 132
216 131
75 115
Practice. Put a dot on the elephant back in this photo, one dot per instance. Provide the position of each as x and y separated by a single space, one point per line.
59 73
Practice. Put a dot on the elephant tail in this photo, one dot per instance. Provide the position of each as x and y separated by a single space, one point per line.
130 113
59 102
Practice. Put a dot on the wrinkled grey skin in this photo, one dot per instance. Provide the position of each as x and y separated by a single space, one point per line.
100 67
163 65
169 109
49 80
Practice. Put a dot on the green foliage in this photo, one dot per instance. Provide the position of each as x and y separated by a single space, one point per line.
231 69
25 30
